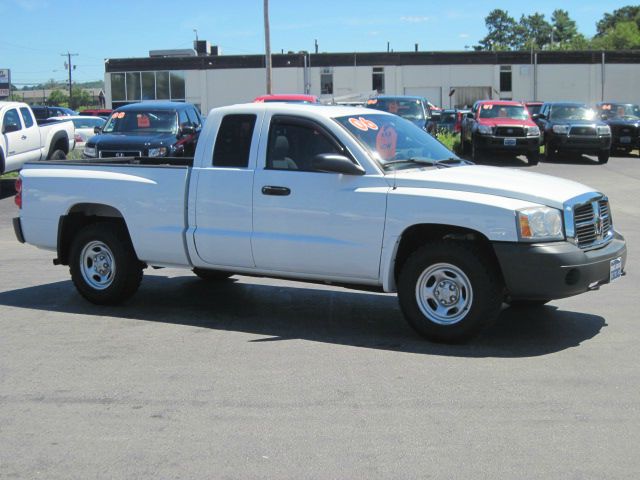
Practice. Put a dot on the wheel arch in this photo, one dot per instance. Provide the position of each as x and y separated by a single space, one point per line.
78 217
59 141
415 236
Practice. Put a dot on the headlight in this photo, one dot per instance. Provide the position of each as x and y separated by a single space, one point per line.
158 152
533 132
485 129
603 130
561 129
89 151
540 223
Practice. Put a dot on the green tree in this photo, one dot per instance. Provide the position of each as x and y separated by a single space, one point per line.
79 98
57 98
564 29
610 20
535 31
623 36
502 31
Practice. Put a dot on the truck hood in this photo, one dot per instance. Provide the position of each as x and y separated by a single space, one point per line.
132 141
504 182
506 121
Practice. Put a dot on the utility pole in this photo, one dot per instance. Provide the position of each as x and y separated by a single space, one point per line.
69 68
267 45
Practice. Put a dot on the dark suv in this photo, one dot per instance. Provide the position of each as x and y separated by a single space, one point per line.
573 127
414 109
624 121
147 129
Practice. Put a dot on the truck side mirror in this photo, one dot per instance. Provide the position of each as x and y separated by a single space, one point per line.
187 130
10 127
470 115
538 116
335 163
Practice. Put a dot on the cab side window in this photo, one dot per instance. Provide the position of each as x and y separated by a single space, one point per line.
292 144
183 119
233 143
26 116
11 121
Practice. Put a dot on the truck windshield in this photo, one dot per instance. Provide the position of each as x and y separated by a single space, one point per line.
394 142
409 109
142 122
516 112
620 111
571 112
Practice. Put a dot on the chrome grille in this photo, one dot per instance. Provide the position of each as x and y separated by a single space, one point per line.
118 153
592 223
506 131
587 131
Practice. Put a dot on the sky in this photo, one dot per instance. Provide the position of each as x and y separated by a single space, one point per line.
35 33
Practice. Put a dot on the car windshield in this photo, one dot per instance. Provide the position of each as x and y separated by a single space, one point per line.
571 112
447 117
142 122
394 142
409 109
516 112
621 111
87 122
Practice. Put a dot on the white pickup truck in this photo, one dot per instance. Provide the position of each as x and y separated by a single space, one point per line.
24 139
341 195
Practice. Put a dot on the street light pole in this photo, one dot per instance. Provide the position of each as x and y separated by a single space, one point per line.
267 45
69 68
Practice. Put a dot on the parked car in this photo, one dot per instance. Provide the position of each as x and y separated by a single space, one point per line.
44 112
573 127
343 195
412 108
500 126
287 98
154 129
624 121
85 128
443 121
24 139
533 107
96 112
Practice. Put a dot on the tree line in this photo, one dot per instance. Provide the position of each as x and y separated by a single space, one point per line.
619 30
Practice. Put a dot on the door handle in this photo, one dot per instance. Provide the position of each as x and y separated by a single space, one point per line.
23 137
278 191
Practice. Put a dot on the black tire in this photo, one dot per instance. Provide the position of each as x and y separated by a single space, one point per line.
58 155
522 303
476 151
212 275
121 274
533 158
464 145
457 273
550 154
603 157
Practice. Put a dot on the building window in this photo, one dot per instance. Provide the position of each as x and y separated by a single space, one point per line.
326 81
505 78
378 79
133 85
118 90
162 86
148 85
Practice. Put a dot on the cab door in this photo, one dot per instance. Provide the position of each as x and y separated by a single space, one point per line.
31 131
312 222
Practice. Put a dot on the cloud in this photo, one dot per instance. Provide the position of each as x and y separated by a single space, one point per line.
414 19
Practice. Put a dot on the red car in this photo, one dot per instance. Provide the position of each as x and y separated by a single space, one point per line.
287 98
533 107
96 112
500 125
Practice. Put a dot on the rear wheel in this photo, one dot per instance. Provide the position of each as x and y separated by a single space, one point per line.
448 291
476 151
533 158
211 275
58 155
603 157
103 265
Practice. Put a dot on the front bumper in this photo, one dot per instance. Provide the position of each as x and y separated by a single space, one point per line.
625 142
556 270
522 144
581 143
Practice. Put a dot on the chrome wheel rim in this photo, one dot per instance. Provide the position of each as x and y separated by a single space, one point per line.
444 294
97 265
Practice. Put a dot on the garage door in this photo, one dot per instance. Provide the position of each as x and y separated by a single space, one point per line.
433 94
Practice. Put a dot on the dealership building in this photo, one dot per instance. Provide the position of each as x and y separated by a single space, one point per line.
450 79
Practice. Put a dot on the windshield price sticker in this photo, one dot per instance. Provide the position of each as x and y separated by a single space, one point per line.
487 107
606 107
386 142
143 121
363 124
119 115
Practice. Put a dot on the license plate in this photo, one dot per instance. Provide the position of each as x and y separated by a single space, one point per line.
509 142
615 269
625 139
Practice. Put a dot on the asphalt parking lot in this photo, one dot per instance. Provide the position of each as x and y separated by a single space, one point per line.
260 378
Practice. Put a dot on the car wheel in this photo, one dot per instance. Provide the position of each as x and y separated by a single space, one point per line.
603 157
211 275
449 290
549 152
58 155
476 152
103 265
533 158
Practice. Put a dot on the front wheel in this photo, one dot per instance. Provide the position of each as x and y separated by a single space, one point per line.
533 158
476 152
103 265
603 157
449 291
58 155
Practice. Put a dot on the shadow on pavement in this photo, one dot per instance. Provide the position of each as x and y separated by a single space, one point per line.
574 159
341 317
7 187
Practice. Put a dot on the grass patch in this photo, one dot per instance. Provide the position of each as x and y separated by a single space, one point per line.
451 141
10 175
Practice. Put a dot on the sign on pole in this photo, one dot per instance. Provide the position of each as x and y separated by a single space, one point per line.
5 83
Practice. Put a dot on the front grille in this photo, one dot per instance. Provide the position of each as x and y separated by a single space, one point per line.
587 131
624 131
119 153
504 131
592 223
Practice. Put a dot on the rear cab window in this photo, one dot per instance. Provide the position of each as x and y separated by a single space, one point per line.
26 116
233 143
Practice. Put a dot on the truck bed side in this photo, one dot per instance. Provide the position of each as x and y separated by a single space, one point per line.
151 200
